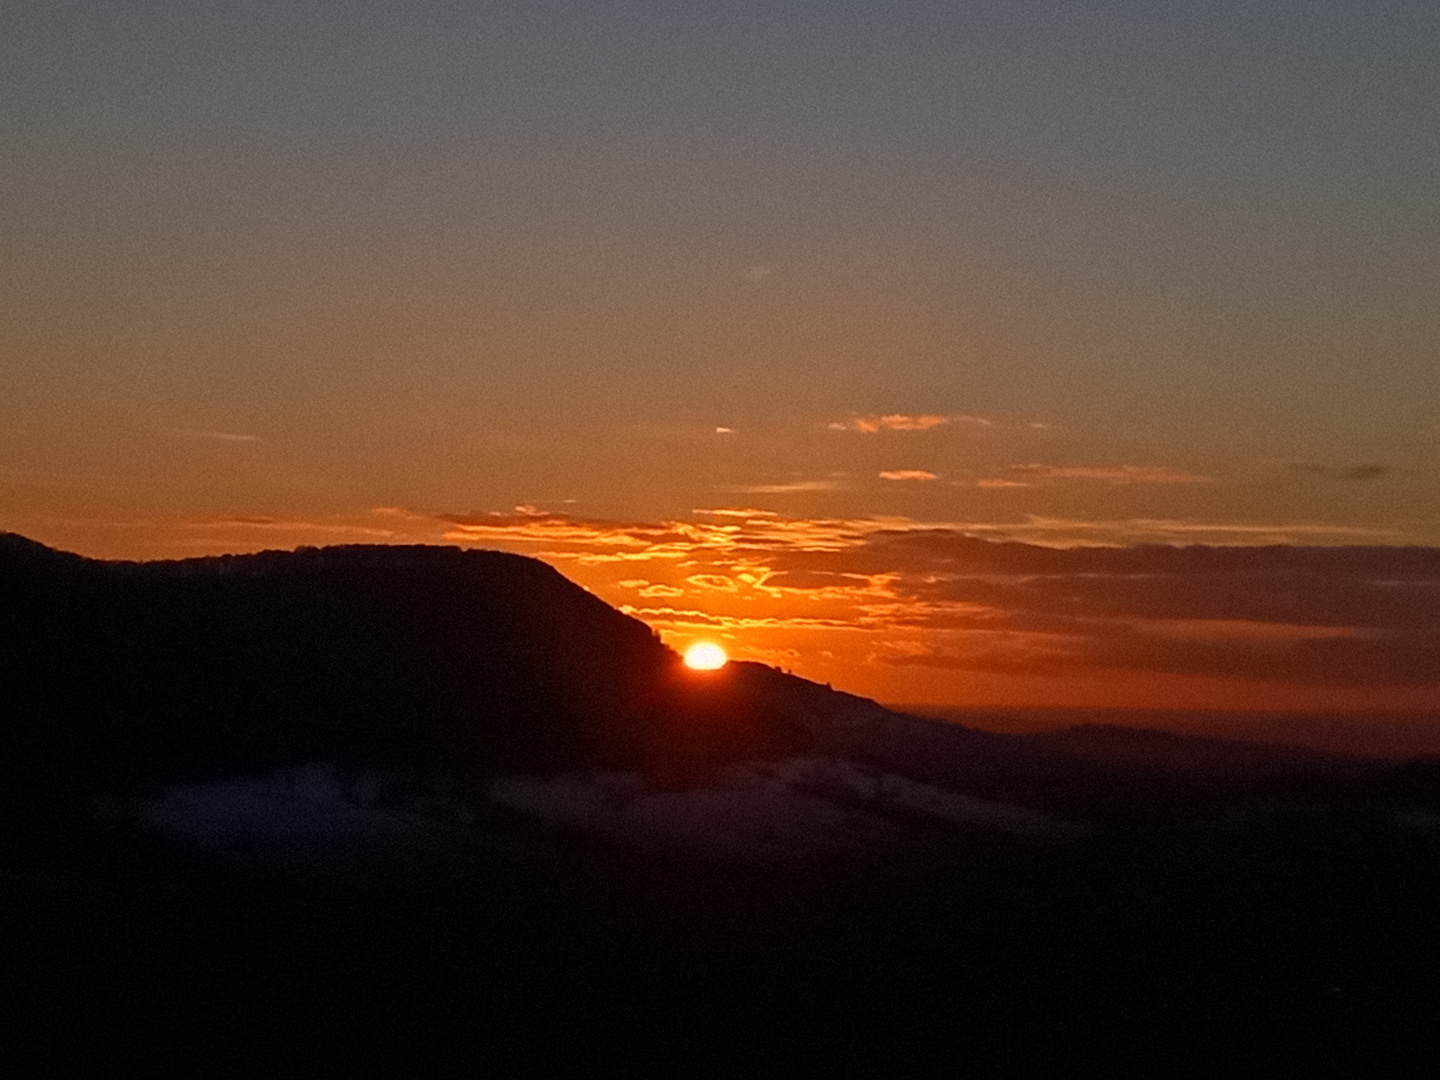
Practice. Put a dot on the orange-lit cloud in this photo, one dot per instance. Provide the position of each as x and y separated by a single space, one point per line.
302 526
908 474
717 582
218 436
787 488
916 610
869 425
980 597
650 590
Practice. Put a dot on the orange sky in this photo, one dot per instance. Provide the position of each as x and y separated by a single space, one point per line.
958 614
746 317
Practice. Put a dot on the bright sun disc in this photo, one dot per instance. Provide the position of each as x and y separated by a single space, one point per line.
705 656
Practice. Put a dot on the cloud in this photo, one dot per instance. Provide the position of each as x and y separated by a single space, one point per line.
1347 472
738 513
254 520
869 425
650 590
1072 531
1321 615
717 582
724 431
758 273
218 436
1257 601
293 526
734 531
908 474
787 488
1120 474
999 483
688 618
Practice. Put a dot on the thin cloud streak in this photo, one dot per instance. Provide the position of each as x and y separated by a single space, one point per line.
997 483
1120 474
299 526
218 436
790 488
871 424
1349 472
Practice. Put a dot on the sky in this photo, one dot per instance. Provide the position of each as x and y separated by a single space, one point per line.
907 346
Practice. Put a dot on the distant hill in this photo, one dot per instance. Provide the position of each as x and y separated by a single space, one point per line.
425 655
364 804
481 664
1393 735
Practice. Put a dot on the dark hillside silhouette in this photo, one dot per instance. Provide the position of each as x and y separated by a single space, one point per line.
187 748
481 662
424 655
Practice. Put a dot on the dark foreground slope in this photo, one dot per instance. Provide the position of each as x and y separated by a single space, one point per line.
414 811
418 654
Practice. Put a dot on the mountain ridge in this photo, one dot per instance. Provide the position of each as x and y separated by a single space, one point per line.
474 655
334 804
489 663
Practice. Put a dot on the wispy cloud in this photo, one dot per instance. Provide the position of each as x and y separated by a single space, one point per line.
299 527
1343 472
692 618
787 488
716 582
1070 532
1118 474
217 436
758 273
1038 595
908 474
746 513
731 532
869 425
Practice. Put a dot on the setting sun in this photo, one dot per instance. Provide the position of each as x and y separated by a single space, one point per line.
705 656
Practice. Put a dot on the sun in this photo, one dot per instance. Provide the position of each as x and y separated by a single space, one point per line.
705 656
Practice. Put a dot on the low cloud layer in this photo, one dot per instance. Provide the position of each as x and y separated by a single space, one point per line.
1213 614
959 597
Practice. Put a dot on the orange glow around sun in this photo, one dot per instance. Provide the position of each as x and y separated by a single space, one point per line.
705 656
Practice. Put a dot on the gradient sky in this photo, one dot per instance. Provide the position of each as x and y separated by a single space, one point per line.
883 276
